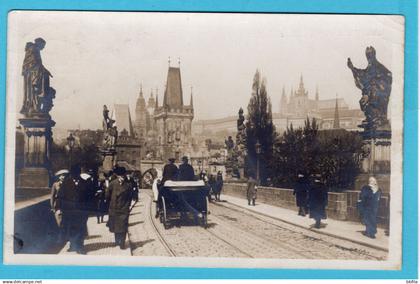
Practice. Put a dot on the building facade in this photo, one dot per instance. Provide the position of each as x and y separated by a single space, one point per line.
173 119
293 110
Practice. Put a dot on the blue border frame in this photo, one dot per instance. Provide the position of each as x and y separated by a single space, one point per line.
407 8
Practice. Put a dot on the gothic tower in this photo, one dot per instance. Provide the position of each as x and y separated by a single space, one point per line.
140 124
173 119
283 103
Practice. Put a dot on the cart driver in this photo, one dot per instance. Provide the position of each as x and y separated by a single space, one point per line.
170 172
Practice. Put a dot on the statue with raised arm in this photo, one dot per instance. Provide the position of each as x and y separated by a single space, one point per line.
375 82
38 94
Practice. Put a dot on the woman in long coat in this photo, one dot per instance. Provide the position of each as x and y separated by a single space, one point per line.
318 200
121 194
370 197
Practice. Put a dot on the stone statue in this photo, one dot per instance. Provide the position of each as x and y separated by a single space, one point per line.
241 119
110 130
375 82
38 94
229 144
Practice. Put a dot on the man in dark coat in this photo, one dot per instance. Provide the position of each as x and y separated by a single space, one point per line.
170 171
370 197
73 201
218 185
300 190
251 191
121 194
186 171
318 200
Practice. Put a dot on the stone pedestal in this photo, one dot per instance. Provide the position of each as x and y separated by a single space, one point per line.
35 173
109 161
378 162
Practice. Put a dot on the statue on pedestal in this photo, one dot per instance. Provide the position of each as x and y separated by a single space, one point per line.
110 130
375 82
36 122
38 94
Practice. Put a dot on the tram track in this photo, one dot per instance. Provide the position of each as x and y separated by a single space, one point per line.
158 234
234 231
310 233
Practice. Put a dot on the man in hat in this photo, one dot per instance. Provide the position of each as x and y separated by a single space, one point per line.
318 200
186 171
120 192
300 191
170 171
59 176
72 200
251 191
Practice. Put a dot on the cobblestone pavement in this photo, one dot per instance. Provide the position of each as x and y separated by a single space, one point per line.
100 241
236 232
295 241
144 240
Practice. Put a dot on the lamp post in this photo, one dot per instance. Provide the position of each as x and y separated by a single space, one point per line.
258 152
70 142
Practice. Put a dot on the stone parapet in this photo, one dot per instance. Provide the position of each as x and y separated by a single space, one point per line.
341 205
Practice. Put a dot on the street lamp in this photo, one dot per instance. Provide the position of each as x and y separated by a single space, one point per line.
70 142
258 151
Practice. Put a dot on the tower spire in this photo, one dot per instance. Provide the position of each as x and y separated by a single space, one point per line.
317 94
141 90
336 124
191 98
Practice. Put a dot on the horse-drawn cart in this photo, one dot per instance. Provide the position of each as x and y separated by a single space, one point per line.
181 199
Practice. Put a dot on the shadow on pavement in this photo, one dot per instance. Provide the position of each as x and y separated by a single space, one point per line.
36 231
136 245
98 246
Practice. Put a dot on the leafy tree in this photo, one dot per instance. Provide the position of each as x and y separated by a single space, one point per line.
259 127
335 154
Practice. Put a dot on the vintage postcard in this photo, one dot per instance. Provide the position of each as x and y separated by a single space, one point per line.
204 140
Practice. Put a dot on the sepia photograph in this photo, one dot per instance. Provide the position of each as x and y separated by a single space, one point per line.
204 140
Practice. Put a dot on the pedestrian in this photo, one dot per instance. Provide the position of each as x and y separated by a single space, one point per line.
212 185
300 191
370 196
219 185
100 201
58 214
251 192
121 195
318 200
73 201
203 176
186 171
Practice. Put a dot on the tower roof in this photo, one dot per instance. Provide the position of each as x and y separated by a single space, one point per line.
141 103
173 92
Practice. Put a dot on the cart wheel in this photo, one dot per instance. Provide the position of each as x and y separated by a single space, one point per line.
204 220
164 216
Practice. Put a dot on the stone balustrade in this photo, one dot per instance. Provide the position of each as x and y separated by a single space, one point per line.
341 205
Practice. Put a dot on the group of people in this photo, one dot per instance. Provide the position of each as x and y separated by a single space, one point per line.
75 196
312 198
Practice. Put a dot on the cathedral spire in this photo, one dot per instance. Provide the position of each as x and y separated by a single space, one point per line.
317 94
336 124
141 90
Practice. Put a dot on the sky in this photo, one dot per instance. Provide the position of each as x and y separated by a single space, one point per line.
100 58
